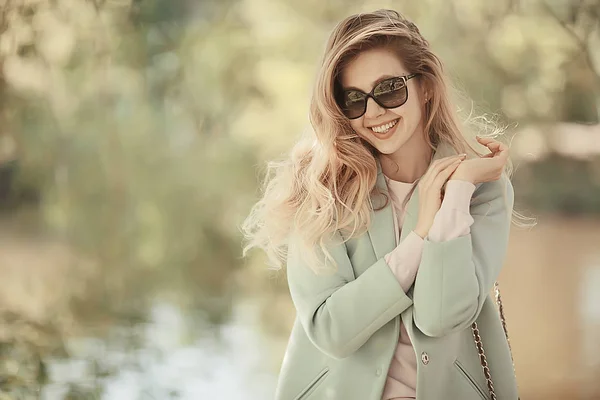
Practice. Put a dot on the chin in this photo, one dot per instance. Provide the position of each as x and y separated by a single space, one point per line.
389 145
388 148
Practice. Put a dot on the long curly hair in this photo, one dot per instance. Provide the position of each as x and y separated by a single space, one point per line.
327 182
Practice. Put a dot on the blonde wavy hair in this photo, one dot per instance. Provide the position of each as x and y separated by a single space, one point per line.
326 183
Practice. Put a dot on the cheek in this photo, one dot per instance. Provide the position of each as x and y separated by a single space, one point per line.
410 111
357 125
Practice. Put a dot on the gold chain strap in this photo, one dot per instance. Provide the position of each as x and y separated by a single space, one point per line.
484 364
502 319
479 344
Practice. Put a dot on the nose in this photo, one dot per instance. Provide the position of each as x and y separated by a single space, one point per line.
374 110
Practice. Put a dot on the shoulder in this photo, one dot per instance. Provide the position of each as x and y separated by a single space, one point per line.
488 191
493 198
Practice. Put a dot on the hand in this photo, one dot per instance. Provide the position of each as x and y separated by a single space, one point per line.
430 190
486 168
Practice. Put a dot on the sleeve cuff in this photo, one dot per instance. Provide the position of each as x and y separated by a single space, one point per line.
458 195
453 219
405 258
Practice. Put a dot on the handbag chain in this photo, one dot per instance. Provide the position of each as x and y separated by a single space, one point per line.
479 344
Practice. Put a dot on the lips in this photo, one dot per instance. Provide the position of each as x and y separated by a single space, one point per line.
388 133
384 127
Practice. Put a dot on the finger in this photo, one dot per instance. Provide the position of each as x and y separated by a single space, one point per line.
433 169
443 176
501 151
444 162
503 155
502 146
438 166
493 151
494 146
485 140
491 144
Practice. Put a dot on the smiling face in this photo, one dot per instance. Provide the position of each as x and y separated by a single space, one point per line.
386 129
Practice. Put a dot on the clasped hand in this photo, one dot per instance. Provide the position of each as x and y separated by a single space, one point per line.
476 170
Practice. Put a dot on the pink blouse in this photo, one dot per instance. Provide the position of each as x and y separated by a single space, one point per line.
452 220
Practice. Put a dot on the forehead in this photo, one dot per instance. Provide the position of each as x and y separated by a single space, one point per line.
368 66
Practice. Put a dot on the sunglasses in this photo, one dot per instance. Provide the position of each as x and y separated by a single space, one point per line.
390 93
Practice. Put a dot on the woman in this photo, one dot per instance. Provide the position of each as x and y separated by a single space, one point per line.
393 230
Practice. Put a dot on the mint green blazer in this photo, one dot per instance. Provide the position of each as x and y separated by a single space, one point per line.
347 323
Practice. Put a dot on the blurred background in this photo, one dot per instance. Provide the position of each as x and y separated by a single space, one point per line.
133 138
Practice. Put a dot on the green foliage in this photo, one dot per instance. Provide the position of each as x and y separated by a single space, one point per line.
140 124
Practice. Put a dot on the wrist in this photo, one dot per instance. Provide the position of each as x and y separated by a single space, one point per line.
422 233
462 178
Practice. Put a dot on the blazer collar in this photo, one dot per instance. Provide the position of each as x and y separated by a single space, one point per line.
381 230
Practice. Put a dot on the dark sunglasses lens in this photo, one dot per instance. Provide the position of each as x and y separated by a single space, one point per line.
353 104
391 93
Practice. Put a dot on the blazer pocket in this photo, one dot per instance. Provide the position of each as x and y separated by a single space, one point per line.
312 385
469 379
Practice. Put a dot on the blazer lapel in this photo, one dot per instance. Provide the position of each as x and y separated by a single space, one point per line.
412 214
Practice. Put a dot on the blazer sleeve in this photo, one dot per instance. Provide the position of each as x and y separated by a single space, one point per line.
456 276
338 312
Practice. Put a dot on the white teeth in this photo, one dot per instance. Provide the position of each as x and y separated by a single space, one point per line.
384 128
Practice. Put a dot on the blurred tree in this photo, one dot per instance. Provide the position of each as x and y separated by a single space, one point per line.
132 118
536 54
121 112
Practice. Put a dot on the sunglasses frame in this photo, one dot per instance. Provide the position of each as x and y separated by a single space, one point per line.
404 78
